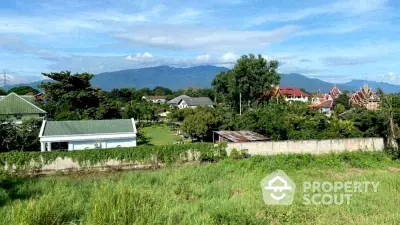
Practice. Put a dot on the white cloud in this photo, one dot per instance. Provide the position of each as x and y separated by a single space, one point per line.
352 7
216 40
229 58
390 77
139 57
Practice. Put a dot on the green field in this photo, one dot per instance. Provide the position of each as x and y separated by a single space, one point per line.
227 192
159 135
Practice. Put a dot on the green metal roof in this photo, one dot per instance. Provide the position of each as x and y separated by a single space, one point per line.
79 127
13 104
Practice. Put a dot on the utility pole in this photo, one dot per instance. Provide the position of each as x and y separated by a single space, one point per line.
240 103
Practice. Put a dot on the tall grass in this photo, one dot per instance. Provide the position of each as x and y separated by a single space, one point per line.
226 192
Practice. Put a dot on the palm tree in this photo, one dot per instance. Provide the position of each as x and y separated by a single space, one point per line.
388 113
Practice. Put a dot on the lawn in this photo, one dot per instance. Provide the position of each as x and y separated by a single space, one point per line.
227 192
159 135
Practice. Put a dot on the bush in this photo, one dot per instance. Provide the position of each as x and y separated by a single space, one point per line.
238 154
142 154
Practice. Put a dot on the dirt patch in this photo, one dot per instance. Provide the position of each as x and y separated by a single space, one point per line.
394 169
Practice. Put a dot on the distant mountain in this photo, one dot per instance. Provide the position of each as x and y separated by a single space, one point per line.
171 77
311 84
201 76
386 87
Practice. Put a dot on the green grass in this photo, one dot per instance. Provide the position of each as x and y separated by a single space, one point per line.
227 192
159 135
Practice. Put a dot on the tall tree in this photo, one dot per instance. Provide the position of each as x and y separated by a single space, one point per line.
392 127
250 77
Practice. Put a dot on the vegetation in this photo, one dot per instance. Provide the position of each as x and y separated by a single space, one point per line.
159 135
227 192
23 137
143 154
23 90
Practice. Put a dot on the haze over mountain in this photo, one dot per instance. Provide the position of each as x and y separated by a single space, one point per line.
201 77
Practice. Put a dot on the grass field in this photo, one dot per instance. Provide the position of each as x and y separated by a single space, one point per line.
159 135
227 192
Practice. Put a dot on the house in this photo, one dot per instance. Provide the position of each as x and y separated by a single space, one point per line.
237 136
325 107
194 102
365 98
19 108
293 94
156 99
175 101
88 134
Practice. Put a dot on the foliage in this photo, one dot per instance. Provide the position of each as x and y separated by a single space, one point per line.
227 192
23 90
238 154
201 123
143 154
250 77
343 100
71 97
3 92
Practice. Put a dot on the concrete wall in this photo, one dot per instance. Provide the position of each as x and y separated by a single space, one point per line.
112 143
309 146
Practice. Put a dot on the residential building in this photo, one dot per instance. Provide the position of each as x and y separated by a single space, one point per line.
175 101
325 107
194 102
365 98
293 94
156 99
19 108
88 134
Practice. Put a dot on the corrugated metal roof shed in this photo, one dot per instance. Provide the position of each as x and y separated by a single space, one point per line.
241 136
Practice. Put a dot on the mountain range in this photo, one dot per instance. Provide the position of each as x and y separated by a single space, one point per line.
201 77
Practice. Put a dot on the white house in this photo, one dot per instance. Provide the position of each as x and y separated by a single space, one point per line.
293 94
175 101
156 99
88 134
194 102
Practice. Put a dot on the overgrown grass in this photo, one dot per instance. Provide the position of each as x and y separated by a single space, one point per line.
227 192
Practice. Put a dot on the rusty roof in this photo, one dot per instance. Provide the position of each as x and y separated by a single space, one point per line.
241 136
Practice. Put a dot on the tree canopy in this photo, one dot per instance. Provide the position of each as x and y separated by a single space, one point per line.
251 77
23 90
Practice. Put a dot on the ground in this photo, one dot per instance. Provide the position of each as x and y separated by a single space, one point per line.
159 135
227 192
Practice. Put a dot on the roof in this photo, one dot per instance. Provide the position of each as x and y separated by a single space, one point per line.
241 136
323 105
292 92
13 104
335 92
197 101
156 97
176 100
85 127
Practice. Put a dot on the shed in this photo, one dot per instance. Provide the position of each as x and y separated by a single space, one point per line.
238 136
88 134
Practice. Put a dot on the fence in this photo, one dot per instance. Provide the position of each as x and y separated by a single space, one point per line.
309 146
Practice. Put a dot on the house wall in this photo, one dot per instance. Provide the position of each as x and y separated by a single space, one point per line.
309 146
112 143
297 99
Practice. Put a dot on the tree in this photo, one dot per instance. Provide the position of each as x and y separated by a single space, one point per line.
27 133
250 77
343 100
201 123
8 135
392 127
2 92
23 90
339 108
71 96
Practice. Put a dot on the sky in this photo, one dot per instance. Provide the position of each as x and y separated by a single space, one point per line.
335 41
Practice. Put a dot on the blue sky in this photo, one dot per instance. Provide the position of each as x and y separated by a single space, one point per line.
336 41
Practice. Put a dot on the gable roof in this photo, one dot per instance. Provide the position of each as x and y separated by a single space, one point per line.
324 105
176 100
86 127
13 104
292 92
197 101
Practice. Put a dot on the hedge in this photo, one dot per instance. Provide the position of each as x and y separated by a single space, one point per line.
143 154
